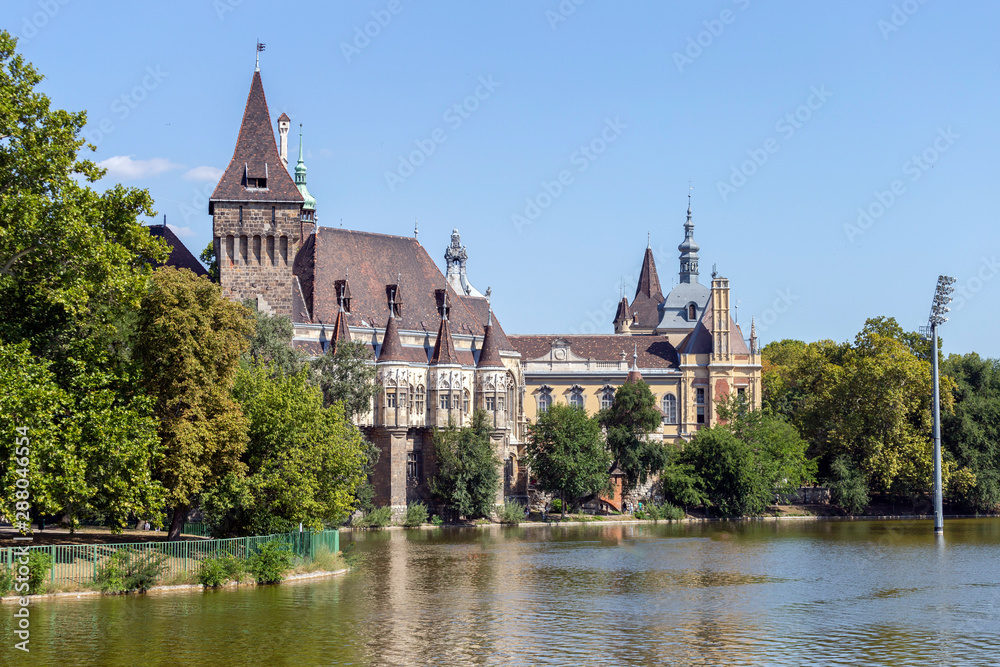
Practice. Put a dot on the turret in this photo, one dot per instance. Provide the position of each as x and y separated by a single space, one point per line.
689 251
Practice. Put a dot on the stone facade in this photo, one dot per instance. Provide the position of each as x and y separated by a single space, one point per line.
256 244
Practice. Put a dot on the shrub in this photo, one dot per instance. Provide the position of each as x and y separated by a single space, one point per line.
6 580
380 517
640 515
234 568
270 563
556 506
848 486
512 513
211 572
664 512
128 571
39 565
416 515
436 520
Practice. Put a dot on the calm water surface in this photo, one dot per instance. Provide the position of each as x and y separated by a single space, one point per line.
758 593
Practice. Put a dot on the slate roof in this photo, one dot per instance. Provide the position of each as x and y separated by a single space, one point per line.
648 294
370 262
489 356
444 346
653 351
256 156
180 256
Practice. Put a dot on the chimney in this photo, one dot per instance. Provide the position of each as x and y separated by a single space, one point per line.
283 123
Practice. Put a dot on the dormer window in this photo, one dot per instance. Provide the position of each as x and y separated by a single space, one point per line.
692 312
256 183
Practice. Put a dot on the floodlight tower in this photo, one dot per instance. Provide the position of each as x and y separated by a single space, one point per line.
942 297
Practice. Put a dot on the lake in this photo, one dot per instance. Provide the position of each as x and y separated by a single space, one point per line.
788 592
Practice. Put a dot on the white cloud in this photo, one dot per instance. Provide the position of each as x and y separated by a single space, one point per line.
125 168
182 232
203 173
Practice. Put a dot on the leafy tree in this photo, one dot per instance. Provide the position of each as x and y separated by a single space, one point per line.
628 422
188 346
303 461
347 376
567 455
72 261
971 434
271 342
88 452
468 475
737 467
848 486
209 259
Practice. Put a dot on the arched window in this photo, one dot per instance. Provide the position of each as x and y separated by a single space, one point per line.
544 401
607 398
692 312
420 399
576 398
465 401
669 406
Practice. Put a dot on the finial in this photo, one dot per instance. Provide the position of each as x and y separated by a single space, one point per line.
635 355
164 219
392 305
489 321
260 47
415 230
715 271
648 240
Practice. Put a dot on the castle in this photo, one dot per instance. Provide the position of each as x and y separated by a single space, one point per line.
438 348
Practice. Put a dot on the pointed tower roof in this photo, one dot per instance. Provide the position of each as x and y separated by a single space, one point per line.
341 331
624 314
256 157
633 374
648 295
444 346
308 201
392 347
689 251
489 356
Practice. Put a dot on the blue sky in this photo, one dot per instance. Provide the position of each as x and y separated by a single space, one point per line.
842 155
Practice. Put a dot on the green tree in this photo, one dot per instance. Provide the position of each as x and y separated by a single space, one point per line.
188 347
628 422
88 452
468 475
567 455
304 461
209 259
740 465
347 376
72 261
270 344
971 434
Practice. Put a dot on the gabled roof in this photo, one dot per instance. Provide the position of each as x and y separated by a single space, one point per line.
372 261
256 156
489 356
648 295
444 347
180 257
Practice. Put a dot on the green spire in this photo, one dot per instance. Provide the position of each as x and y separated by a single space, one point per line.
309 203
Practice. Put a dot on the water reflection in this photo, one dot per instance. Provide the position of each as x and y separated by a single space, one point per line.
790 592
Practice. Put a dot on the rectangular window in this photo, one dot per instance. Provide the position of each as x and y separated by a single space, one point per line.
701 414
241 214
741 392
420 401
465 402
699 396
415 466
445 400
500 402
390 399
490 404
402 399
699 399
272 215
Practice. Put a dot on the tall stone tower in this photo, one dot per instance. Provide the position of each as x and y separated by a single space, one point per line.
256 214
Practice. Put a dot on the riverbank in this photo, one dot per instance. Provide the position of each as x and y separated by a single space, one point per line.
177 588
